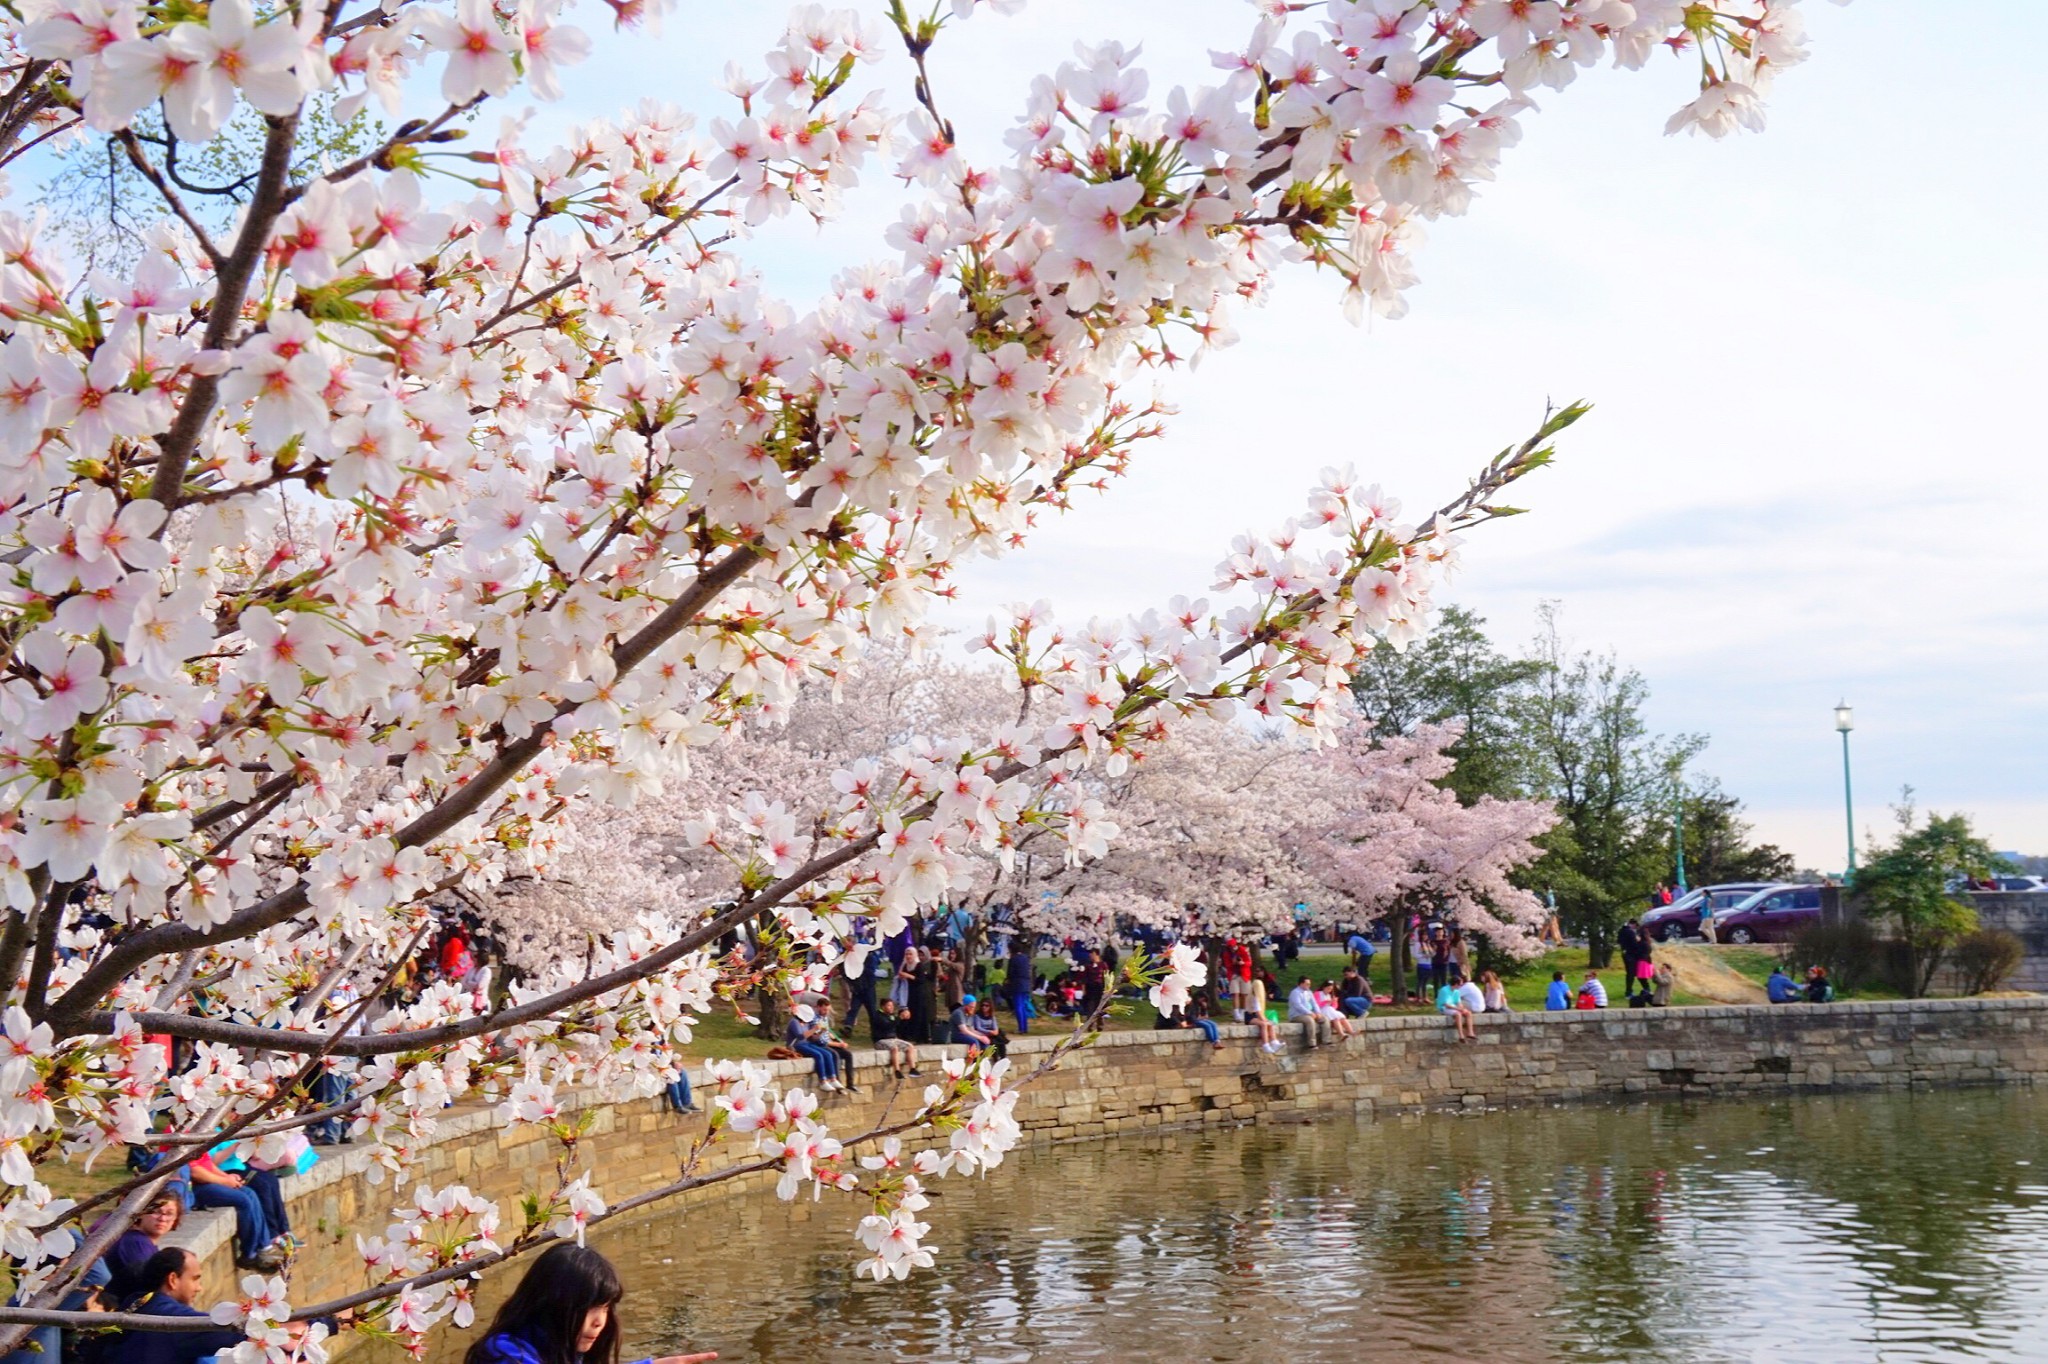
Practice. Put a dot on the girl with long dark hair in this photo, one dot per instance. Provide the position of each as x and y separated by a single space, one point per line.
565 1311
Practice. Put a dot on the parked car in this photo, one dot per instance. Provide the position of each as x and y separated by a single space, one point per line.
2026 885
1681 917
1771 915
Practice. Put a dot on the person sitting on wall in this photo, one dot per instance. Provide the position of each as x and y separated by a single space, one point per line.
967 1030
1781 988
172 1280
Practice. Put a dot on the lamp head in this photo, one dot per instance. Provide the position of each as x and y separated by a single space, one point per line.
1845 719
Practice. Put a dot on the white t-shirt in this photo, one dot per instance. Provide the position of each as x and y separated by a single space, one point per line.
1474 997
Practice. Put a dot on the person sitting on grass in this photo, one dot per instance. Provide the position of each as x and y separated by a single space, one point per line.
1592 994
1450 1002
1819 990
1780 987
1559 997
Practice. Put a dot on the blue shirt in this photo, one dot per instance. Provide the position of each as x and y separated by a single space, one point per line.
1359 946
1560 996
166 1347
1781 988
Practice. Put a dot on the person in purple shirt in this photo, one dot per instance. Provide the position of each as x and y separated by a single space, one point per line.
127 1256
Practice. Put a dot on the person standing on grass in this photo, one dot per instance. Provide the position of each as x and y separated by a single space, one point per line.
1017 981
1361 949
1630 940
1237 968
1094 980
861 995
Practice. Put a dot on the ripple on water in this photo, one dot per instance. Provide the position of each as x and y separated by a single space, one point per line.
1886 1227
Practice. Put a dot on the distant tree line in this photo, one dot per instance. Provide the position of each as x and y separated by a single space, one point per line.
1556 722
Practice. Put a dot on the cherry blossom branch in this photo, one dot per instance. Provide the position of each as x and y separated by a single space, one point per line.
231 286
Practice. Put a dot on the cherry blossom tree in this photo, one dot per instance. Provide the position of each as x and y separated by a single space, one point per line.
1403 842
450 497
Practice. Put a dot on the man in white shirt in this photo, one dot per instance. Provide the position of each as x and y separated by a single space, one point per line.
1593 987
1301 1002
1474 997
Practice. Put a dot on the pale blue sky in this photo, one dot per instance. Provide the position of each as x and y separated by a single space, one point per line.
1813 470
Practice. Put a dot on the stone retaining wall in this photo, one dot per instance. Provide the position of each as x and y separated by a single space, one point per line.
1148 1080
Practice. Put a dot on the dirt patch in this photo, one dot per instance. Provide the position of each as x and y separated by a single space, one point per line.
1700 972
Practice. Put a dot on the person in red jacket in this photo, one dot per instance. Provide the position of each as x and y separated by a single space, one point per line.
1237 970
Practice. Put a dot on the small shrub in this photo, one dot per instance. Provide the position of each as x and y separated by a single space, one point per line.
1985 959
1852 953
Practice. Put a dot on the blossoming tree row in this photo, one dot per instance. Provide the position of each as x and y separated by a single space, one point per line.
450 496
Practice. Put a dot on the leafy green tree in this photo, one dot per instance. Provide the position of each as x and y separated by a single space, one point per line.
1718 840
1905 886
1584 744
1454 674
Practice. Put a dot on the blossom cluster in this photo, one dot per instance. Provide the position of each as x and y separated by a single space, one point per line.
357 555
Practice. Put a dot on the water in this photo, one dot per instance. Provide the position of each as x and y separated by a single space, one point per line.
1879 1227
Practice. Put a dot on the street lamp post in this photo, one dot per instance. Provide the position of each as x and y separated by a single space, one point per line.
1845 721
1678 823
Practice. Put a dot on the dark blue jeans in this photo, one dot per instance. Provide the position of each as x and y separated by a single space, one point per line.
820 1056
329 1090
1208 1027
678 1093
1356 1006
252 1226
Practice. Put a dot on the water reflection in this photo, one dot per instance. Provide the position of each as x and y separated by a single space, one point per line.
1895 1227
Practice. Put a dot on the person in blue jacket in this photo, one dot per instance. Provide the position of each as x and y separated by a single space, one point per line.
172 1280
565 1311
1559 995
